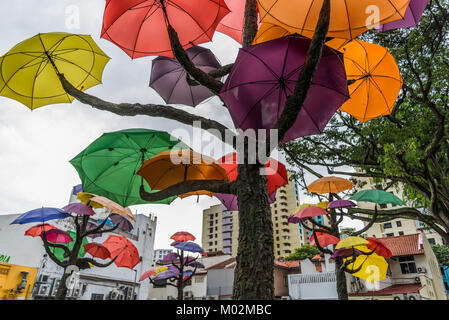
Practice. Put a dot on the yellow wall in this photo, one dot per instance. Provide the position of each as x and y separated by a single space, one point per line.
11 277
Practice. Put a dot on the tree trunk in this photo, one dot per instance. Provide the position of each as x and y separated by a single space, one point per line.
62 289
253 276
342 289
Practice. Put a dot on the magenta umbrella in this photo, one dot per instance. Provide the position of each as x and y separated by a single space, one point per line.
167 274
57 236
79 208
168 77
411 18
340 203
264 75
170 257
230 201
294 219
345 253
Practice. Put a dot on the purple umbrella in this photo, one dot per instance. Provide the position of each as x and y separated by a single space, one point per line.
294 219
189 246
77 189
341 203
170 257
168 77
174 243
264 75
196 264
230 200
79 208
91 226
167 274
345 253
412 16
123 223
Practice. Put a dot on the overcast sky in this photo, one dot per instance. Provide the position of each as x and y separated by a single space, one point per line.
36 146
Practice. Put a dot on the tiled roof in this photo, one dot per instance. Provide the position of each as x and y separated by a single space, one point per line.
222 264
403 245
394 289
287 264
319 258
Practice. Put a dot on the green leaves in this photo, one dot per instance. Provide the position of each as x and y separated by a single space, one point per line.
305 252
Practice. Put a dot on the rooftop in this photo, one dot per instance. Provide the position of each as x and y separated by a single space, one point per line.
403 245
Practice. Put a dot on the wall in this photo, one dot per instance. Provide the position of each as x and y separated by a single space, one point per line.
220 281
11 277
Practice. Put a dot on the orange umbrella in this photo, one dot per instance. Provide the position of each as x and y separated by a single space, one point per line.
113 206
183 236
97 250
125 251
348 19
374 80
37 230
329 185
309 212
175 166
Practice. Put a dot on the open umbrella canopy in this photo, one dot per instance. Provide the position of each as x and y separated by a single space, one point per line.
322 205
170 257
380 248
158 270
310 212
345 253
41 215
196 264
37 230
169 78
412 16
351 242
329 185
183 236
108 166
348 18
125 251
91 226
377 196
97 250
258 85
374 80
294 219
174 243
57 236
122 222
85 198
324 239
167 274
175 166
79 209
113 206
189 246
232 24
129 24
230 201
146 274
340 203
374 267
29 71
59 253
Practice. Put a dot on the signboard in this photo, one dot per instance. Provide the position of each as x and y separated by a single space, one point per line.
4 258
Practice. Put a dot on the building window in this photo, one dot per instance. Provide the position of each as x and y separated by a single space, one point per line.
431 241
96 296
211 224
215 242
211 236
407 264
398 223
401 233
216 214
387 225
278 246
390 234
285 281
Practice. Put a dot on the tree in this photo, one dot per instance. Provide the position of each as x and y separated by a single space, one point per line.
442 254
410 146
305 252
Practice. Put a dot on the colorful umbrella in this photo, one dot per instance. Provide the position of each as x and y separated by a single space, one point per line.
114 207
380 248
183 236
294 219
167 274
91 226
377 196
57 236
146 274
79 208
59 252
129 24
160 269
340 203
322 205
77 189
29 71
345 253
258 85
412 16
169 78
41 215
189 246
230 201
310 212
329 185
125 251
170 257
324 239
348 18
374 267
174 243
374 80
85 198
97 250
175 166
351 242
122 222
232 24
108 166
37 230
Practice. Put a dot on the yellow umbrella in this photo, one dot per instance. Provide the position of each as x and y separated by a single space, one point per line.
373 267
351 242
160 269
29 71
85 197
322 205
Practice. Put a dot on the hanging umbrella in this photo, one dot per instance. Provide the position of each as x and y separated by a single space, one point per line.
37 230
324 239
57 236
340 203
160 269
146 274
348 19
174 243
310 212
170 257
122 222
374 80
107 223
329 185
169 78
108 166
189 246
129 24
412 16
125 251
377 196
374 267
345 253
77 189
197 193
196 264
294 219
85 198
183 236
29 71
114 207
322 205
380 248
274 170
351 242
258 85
79 208
41 215
59 252
175 166
91 226
97 250
167 274
230 201
232 24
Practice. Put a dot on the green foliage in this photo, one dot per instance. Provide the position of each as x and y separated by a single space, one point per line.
442 254
305 252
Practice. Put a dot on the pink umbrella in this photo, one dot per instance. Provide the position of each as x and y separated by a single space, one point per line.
147 274
310 212
57 236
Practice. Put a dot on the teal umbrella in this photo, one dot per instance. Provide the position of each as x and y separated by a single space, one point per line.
108 166
377 196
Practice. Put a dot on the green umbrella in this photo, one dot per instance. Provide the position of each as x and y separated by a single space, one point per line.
59 253
108 166
377 196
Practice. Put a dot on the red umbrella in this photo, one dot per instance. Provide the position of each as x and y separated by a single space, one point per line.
232 24
380 248
125 251
310 212
97 250
139 27
147 274
275 171
57 236
37 230
183 236
324 239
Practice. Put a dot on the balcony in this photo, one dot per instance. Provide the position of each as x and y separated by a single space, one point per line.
226 221
226 228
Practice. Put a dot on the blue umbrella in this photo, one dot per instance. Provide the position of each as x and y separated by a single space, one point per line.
189 246
108 222
41 215
187 273
77 189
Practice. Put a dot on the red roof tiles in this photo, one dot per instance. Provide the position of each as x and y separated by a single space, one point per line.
287 264
403 245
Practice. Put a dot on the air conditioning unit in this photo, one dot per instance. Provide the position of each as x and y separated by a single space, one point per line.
55 287
286 298
113 295
413 296
417 280
398 297
43 278
43 289
213 297
421 270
